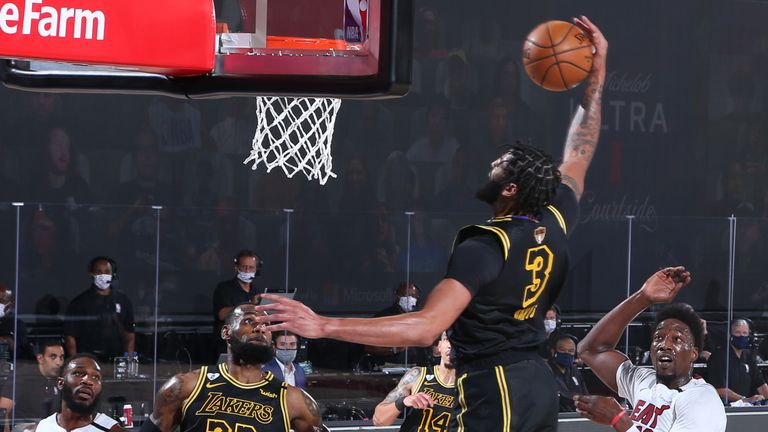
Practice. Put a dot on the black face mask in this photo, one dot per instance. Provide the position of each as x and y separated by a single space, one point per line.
489 192
245 353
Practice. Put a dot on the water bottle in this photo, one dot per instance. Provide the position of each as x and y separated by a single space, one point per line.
122 367
134 373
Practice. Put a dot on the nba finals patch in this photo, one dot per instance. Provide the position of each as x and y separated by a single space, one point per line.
539 234
212 376
429 377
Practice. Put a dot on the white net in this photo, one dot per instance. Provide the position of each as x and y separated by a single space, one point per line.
295 135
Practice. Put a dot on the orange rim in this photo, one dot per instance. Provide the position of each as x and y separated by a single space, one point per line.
318 44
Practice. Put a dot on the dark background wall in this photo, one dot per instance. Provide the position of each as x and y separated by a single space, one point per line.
683 147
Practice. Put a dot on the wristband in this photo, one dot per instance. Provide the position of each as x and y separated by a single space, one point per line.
400 403
618 417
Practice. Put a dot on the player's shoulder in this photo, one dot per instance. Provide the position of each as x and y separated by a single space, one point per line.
698 389
413 375
182 385
636 375
301 404
700 400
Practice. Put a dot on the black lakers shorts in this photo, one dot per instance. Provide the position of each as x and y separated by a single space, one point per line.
517 397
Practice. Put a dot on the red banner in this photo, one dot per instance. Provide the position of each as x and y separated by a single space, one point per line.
171 37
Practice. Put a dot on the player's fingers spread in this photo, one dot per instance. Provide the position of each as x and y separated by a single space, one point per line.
276 327
275 317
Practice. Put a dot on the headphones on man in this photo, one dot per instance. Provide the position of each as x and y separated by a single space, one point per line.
112 265
250 253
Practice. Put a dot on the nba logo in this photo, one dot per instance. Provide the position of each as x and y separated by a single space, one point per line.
355 20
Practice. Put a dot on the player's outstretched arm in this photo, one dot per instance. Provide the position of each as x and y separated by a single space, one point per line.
166 415
444 304
305 413
388 410
597 349
584 132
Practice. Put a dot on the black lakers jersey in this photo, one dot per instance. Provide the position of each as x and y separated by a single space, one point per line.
506 313
436 418
219 403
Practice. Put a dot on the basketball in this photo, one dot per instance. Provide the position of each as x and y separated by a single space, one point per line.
557 55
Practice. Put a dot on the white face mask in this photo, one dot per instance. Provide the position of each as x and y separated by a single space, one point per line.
550 325
102 281
245 276
407 303
2 310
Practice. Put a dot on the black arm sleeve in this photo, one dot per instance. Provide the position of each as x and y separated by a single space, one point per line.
568 206
476 262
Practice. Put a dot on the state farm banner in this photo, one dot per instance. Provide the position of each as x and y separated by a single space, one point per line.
172 37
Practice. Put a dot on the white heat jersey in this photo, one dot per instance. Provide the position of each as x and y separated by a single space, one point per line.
101 423
695 407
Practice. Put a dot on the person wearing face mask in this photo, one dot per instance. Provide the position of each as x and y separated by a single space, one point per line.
237 290
569 380
406 300
551 329
100 319
745 381
283 365
8 323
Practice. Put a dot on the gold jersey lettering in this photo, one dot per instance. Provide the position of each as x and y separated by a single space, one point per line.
538 263
216 403
440 398
525 314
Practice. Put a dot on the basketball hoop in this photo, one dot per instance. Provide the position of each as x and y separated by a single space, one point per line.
295 133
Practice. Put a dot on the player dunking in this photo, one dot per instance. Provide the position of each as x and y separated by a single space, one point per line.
430 391
502 277
236 395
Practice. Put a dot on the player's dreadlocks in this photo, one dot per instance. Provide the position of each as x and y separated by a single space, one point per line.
535 174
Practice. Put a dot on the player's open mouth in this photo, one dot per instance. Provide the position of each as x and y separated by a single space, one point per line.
664 359
84 393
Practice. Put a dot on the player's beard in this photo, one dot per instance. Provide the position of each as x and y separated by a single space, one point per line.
246 353
451 363
78 407
489 192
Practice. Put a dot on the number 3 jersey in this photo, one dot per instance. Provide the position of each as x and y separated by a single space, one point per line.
514 267
437 417
219 403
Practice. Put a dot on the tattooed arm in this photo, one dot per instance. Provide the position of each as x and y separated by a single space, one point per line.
304 411
167 411
387 411
584 131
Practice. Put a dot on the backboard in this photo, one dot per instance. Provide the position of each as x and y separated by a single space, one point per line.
326 48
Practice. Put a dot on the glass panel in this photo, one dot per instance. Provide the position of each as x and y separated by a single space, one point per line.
350 264
59 300
8 218
197 251
701 245
750 303
597 280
